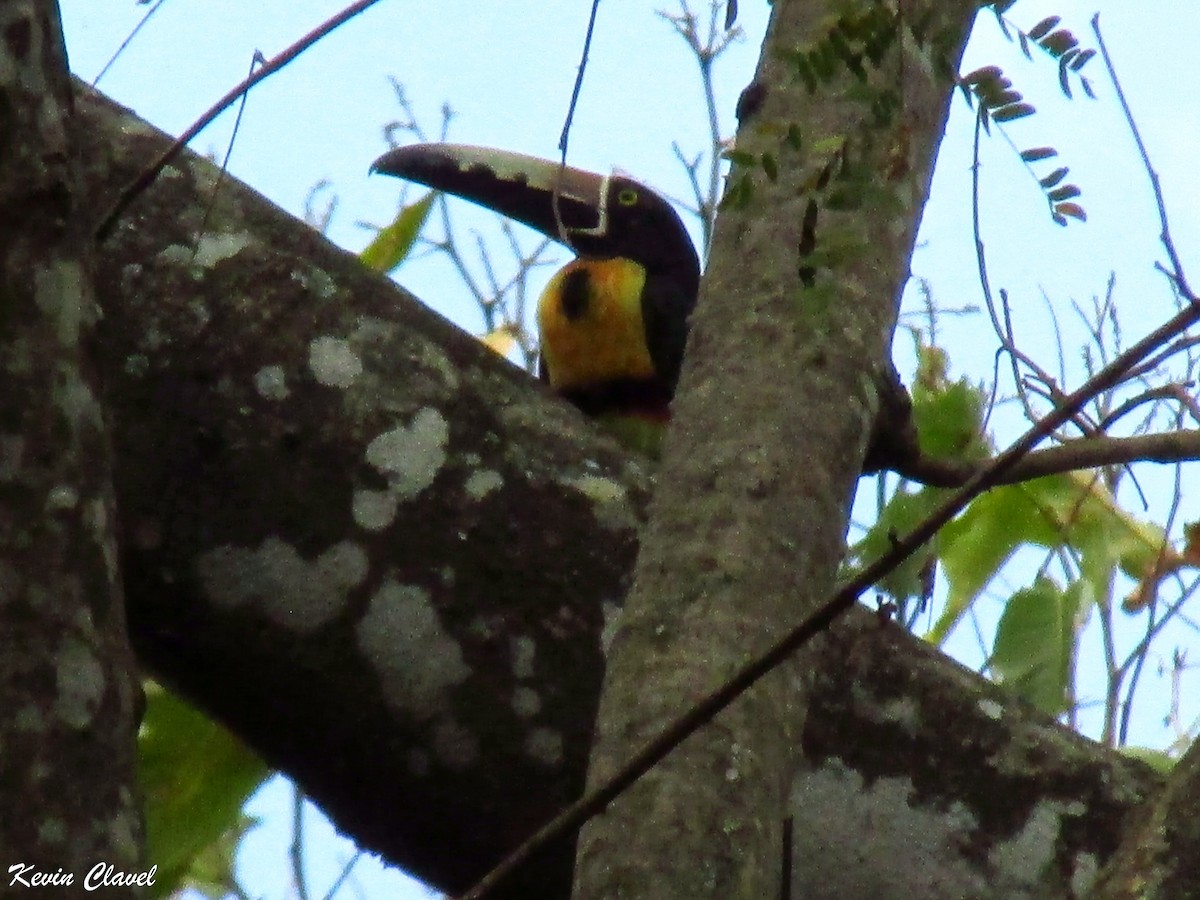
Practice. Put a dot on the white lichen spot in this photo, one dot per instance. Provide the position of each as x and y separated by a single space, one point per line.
79 683
29 719
316 281
58 291
154 337
545 745
333 362
903 711
402 637
174 255
292 591
482 483
522 650
53 830
992 709
526 703
95 517
136 364
598 489
123 830
200 312
612 622
60 497
214 248
271 383
84 624
374 510
456 747
1083 874
1032 848
411 456
75 398
609 500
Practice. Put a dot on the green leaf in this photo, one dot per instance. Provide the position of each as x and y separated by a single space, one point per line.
1079 61
805 70
898 517
739 193
1013 111
978 76
795 138
949 419
976 544
1000 97
1066 192
1059 42
195 778
1160 762
394 242
1037 153
1074 210
1035 644
1044 27
770 167
1054 177
1068 510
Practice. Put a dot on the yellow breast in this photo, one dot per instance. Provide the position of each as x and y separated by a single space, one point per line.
590 318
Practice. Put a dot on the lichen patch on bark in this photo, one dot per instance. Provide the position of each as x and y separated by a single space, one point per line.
286 588
411 455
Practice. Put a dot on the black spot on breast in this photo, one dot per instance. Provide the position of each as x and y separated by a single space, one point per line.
576 294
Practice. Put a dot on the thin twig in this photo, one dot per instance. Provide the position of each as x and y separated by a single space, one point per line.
148 175
255 60
1176 273
583 61
344 875
129 40
296 848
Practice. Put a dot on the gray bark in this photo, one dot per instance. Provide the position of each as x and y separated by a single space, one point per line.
68 687
777 399
1159 857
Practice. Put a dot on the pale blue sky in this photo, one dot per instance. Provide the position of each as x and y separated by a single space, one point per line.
507 69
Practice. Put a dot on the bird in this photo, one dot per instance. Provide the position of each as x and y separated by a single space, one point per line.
613 322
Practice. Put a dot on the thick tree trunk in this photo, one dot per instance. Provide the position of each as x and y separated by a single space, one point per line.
792 333
67 676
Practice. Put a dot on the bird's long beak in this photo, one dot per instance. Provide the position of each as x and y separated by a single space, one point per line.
518 186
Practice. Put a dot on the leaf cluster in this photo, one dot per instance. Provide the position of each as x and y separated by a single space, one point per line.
1059 43
853 40
195 777
1070 516
999 101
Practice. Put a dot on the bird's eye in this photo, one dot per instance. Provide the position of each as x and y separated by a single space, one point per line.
627 197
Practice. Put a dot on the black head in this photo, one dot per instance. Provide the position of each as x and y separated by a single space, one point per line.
597 216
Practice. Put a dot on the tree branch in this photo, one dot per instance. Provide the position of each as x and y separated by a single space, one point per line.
431 679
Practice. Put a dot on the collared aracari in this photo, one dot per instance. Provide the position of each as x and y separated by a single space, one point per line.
614 321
